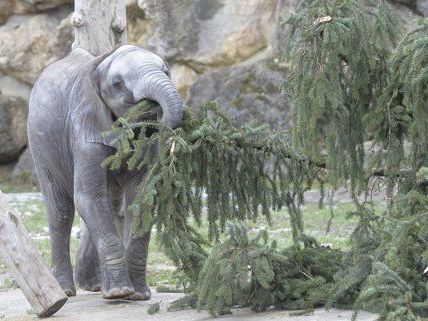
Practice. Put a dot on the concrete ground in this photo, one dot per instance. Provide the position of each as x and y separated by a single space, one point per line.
90 306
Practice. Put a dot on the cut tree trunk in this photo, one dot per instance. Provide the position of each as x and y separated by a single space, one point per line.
26 265
100 25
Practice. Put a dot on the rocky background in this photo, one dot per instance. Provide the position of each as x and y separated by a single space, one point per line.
222 50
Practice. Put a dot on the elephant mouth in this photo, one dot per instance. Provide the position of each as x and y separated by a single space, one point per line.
154 114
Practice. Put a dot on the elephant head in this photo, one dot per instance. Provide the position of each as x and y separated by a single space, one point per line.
131 74
108 85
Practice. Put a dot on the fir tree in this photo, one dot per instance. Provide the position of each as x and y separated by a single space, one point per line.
339 55
238 172
350 81
384 266
253 272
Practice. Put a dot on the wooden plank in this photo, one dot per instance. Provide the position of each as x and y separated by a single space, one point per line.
26 265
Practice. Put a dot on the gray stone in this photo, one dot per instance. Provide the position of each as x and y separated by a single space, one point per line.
183 77
13 132
283 12
208 32
29 6
418 6
248 93
422 6
406 2
29 43
10 86
6 9
25 167
11 7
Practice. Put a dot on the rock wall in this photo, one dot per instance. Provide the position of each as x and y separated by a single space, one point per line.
221 50
203 35
32 35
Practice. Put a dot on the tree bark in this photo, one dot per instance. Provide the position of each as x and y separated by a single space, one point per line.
26 265
100 25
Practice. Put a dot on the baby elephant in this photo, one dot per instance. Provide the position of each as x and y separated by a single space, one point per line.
73 101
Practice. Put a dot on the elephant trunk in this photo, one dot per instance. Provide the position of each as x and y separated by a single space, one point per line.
157 86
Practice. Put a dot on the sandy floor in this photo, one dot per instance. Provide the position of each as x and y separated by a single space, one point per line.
89 306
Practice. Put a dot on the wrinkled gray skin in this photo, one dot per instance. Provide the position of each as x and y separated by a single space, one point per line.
72 103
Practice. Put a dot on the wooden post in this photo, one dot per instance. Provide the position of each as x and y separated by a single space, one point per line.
26 265
100 25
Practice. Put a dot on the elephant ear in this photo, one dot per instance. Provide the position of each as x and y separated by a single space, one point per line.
89 115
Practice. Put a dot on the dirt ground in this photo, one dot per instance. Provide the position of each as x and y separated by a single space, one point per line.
90 306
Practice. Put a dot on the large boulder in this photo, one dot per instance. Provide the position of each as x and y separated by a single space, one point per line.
207 32
6 9
183 77
10 86
248 93
419 6
30 6
14 96
422 6
10 7
13 133
29 43
285 9
24 168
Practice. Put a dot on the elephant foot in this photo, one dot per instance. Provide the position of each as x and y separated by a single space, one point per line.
88 278
118 293
89 285
68 288
116 284
87 272
141 294
67 284
70 292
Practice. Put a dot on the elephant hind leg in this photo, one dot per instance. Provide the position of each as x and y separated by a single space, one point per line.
88 273
137 261
136 252
60 213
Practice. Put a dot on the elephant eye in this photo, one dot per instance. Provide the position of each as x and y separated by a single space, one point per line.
166 71
117 85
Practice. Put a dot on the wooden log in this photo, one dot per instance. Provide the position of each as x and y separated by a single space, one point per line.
26 265
100 25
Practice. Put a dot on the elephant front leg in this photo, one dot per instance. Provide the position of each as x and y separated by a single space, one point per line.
93 204
115 282
88 274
